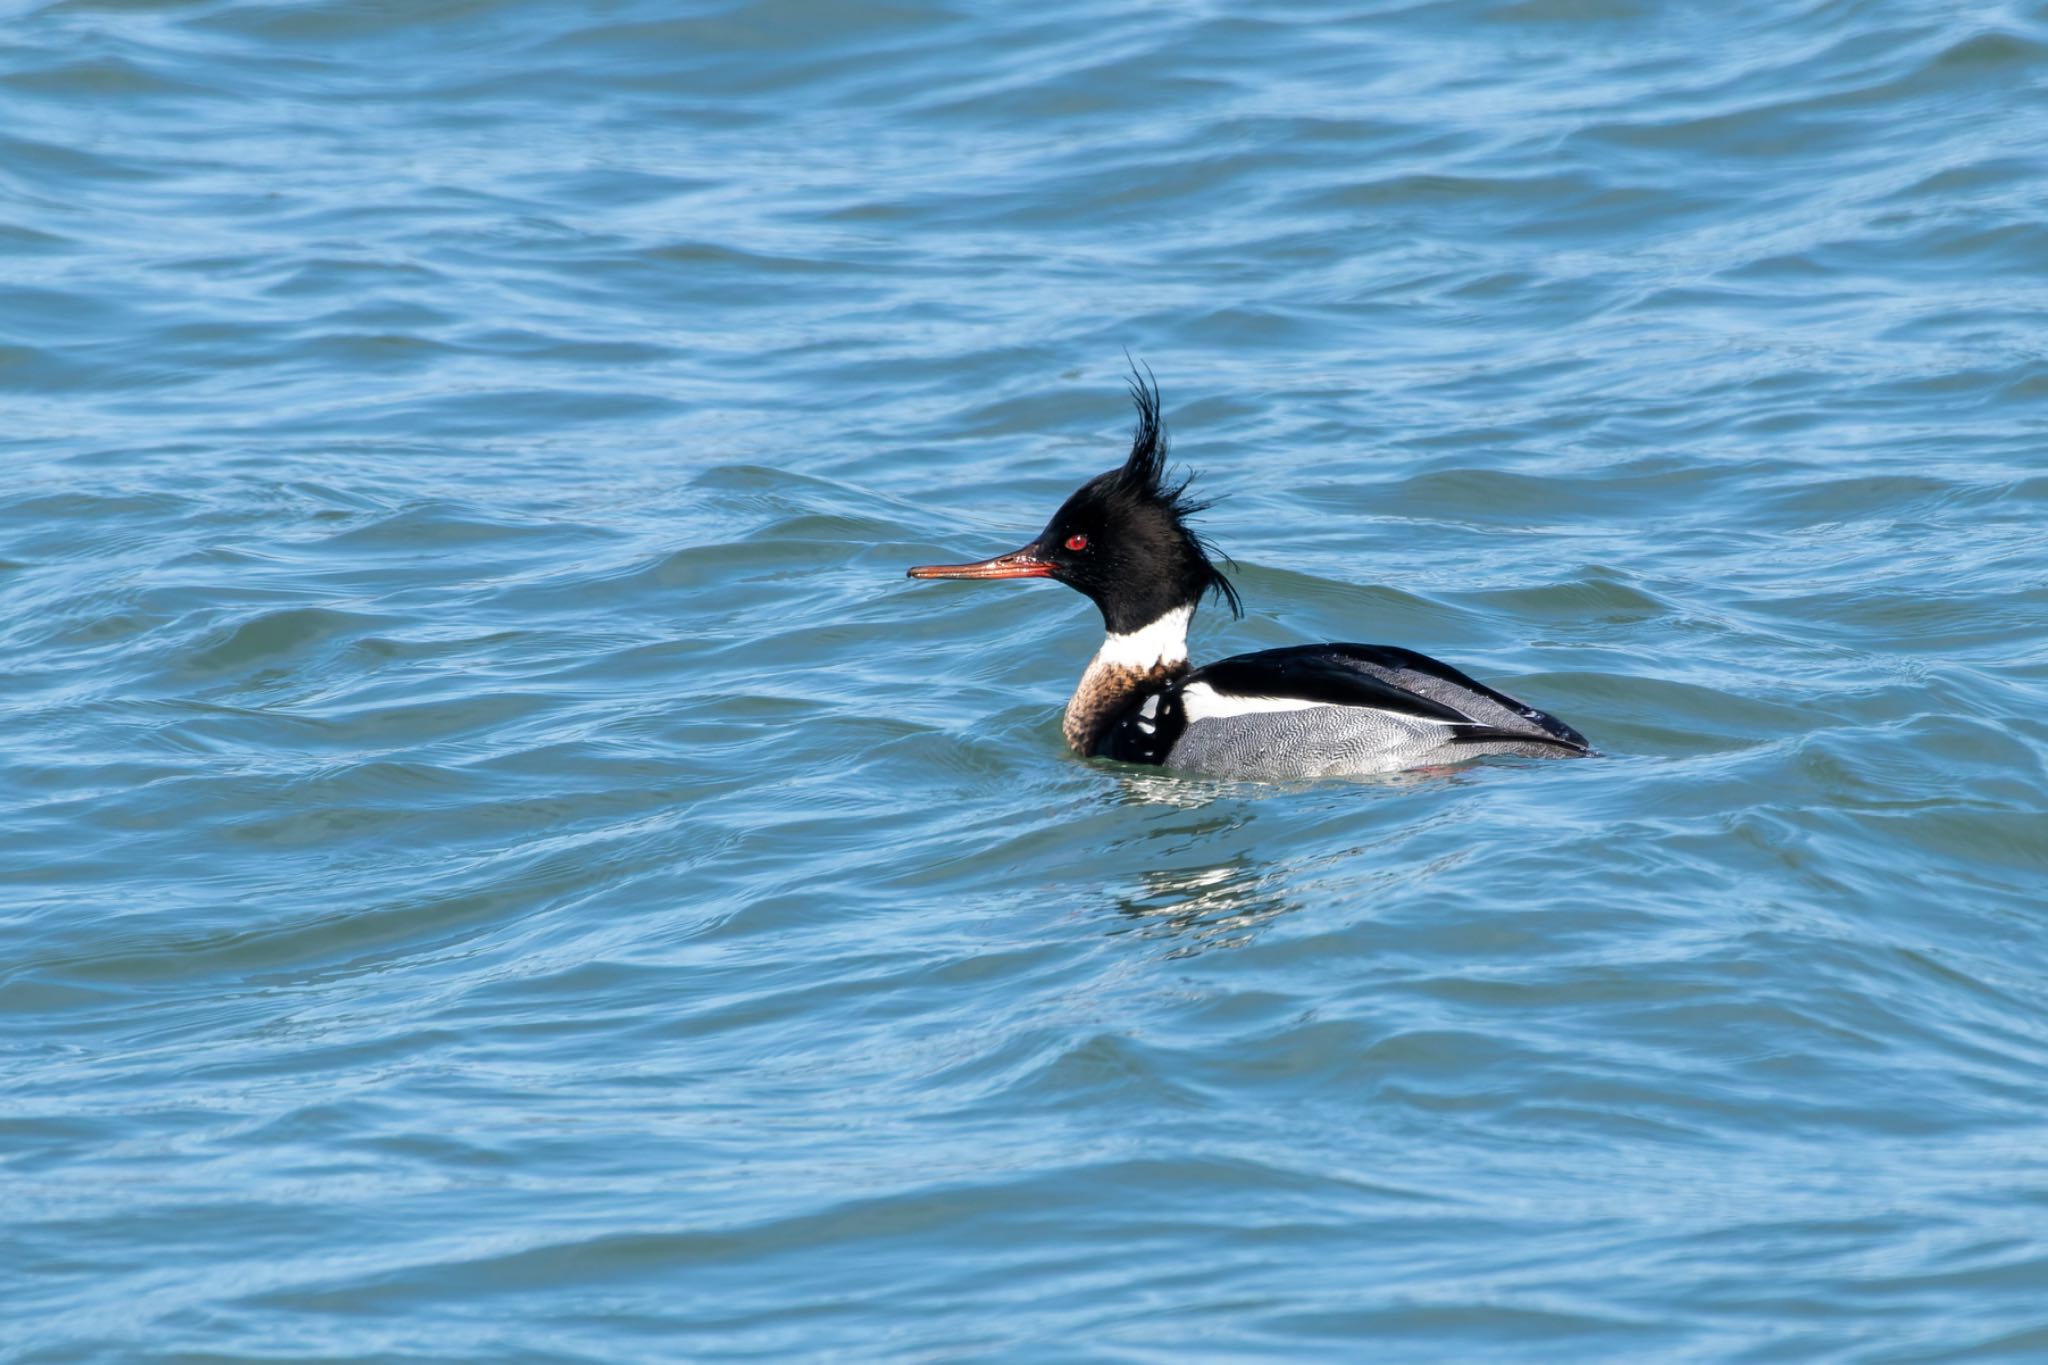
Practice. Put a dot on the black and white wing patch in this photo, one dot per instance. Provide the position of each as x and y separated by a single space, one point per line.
1146 730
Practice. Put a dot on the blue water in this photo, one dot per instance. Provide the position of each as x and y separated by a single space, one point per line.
501 865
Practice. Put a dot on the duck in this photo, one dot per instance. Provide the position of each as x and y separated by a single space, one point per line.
1123 541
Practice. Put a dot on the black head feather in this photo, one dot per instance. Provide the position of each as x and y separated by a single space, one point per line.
1138 558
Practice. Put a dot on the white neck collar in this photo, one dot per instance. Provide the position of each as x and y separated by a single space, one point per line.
1165 641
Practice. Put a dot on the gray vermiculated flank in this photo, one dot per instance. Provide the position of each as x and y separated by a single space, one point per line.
1325 741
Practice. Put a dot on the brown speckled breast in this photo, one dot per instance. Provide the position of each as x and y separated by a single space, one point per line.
1104 691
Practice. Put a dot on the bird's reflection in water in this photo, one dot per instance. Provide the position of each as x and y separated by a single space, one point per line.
1218 906
1221 901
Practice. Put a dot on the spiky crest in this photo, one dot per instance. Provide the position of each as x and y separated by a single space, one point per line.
1144 477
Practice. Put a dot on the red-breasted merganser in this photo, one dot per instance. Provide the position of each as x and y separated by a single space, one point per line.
1304 711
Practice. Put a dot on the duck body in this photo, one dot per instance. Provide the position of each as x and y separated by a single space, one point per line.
1304 711
1325 710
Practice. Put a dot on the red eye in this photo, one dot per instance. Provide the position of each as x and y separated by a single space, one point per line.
1077 542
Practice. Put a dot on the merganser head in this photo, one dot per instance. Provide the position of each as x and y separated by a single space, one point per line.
1122 539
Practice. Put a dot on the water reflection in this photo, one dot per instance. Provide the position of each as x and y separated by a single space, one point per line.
1219 905
1222 895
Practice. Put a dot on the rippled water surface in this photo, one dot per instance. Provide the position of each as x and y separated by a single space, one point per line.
500 864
